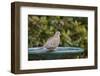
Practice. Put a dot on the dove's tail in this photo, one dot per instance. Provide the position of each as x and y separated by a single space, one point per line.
44 46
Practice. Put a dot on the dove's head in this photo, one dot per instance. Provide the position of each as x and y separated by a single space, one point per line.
57 33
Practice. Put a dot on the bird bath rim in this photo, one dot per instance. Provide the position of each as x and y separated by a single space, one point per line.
57 50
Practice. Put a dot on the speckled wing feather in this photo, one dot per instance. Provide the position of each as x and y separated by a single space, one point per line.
52 43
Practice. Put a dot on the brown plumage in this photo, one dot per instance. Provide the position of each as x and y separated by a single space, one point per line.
53 42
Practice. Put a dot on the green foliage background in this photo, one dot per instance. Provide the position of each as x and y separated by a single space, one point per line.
73 30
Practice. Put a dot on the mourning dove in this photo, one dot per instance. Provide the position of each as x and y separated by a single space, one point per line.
53 42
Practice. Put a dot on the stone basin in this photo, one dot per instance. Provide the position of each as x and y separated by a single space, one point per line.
40 53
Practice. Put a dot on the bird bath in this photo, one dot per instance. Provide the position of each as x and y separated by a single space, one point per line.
40 53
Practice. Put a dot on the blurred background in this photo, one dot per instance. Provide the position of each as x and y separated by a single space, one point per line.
74 31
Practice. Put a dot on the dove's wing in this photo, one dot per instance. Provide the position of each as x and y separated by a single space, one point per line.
48 42
52 42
